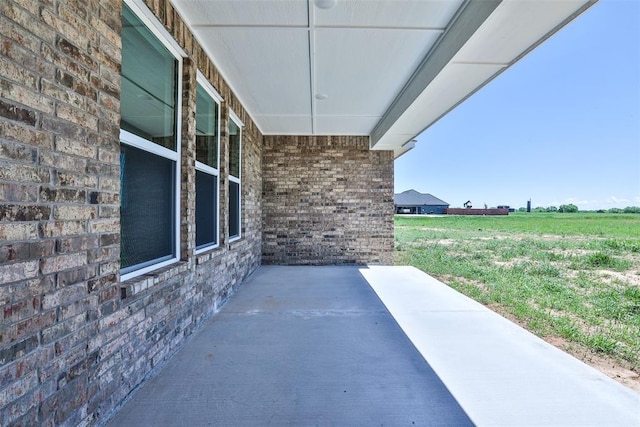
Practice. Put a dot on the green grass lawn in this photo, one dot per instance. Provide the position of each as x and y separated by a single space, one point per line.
575 277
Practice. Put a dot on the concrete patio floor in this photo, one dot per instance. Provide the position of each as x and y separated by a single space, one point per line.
365 346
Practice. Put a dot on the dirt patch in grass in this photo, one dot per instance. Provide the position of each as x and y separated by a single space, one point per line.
615 278
443 242
495 237
508 264
573 252
446 242
439 230
448 279
618 279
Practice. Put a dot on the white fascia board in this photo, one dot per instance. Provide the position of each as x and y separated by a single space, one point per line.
513 13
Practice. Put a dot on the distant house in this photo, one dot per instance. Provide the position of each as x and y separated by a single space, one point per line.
412 202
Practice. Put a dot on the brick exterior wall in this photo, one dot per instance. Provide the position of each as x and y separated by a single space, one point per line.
74 340
326 200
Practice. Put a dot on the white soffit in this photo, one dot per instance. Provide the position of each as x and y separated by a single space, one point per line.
261 47
344 124
277 55
243 13
274 124
366 67
358 68
270 66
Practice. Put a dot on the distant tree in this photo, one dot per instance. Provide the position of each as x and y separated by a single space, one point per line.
600 211
632 209
539 209
570 208
615 210
522 209
552 209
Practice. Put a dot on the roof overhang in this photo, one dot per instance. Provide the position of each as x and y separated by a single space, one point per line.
383 68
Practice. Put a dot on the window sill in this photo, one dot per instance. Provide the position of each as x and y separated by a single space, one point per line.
207 254
207 249
145 281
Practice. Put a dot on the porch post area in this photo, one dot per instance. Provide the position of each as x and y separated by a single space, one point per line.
326 200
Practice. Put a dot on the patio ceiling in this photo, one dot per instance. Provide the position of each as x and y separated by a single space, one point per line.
384 68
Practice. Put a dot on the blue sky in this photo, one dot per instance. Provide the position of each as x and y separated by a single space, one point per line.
560 126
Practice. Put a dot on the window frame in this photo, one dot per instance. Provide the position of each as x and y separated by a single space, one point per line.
236 179
199 166
130 139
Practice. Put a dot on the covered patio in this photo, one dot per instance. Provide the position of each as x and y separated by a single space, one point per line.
349 345
157 154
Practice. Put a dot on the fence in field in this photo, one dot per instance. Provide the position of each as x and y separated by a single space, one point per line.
465 211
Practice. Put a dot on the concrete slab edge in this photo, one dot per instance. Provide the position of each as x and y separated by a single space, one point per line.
519 379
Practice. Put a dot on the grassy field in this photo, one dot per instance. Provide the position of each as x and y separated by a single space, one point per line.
573 279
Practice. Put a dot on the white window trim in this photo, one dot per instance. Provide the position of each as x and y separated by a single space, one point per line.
136 141
238 179
208 87
163 36
151 22
206 168
235 118
204 83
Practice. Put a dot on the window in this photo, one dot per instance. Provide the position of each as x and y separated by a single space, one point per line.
207 164
235 171
150 147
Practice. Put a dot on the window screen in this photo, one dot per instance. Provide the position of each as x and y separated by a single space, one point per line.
146 208
234 209
206 209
